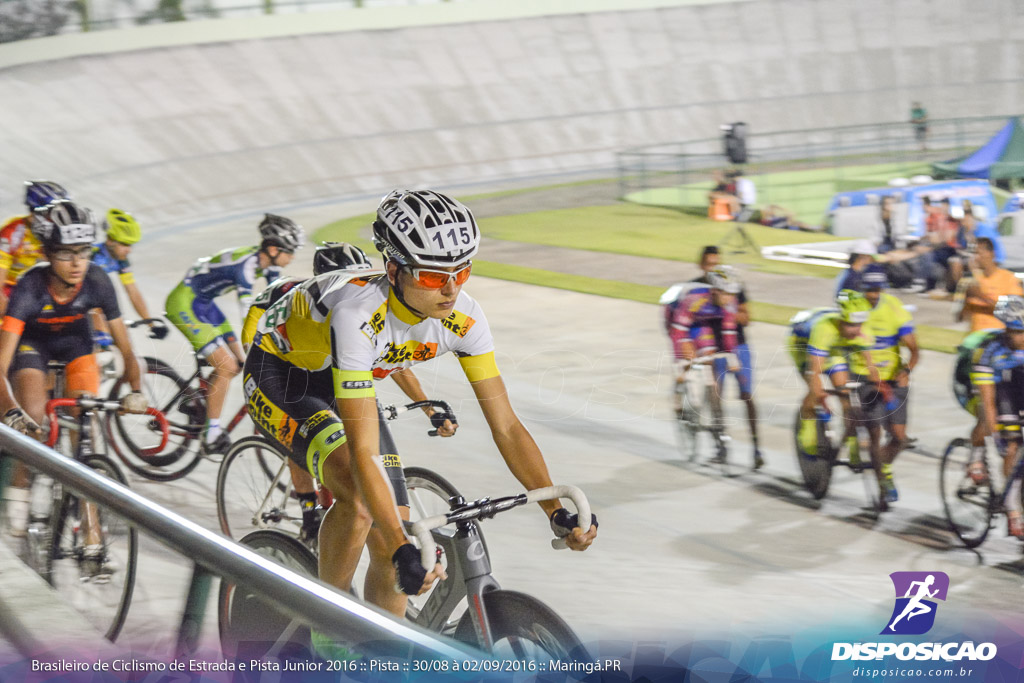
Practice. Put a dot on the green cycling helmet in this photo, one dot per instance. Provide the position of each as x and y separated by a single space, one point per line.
122 227
853 306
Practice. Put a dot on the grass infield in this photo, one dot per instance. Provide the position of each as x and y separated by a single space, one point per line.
637 230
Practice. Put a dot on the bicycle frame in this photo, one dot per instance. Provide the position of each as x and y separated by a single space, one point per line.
264 514
187 393
469 566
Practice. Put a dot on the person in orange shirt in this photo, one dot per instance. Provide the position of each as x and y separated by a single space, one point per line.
19 248
990 282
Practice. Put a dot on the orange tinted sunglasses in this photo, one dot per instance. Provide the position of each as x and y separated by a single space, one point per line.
436 279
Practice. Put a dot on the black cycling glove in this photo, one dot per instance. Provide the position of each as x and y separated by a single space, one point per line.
438 418
410 572
158 331
562 523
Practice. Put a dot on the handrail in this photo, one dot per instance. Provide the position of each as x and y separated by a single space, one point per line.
323 608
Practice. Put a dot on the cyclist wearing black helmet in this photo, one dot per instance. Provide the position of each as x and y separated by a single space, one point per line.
192 309
47 319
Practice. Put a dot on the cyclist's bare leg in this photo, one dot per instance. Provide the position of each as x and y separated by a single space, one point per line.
379 587
838 380
30 390
345 525
1010 458
751 415
302 481
225 368
897 439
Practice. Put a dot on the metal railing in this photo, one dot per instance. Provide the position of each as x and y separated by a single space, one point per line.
328 611
680 172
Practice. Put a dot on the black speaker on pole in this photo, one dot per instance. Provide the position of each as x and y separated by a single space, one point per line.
734 140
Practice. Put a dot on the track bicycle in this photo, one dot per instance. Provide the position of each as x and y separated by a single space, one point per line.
506 624
970 500
83 550
701 410
183 402
836 437
254 486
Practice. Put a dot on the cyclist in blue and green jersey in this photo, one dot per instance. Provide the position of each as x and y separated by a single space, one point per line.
191 308
989 375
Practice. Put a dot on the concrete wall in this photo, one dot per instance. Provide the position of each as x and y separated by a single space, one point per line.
216 121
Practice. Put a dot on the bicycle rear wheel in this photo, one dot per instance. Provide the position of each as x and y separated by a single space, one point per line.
816 469
966 502
523 628
250 627
185 411
254 490
99 585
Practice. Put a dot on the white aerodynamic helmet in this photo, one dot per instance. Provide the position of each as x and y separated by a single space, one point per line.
425 228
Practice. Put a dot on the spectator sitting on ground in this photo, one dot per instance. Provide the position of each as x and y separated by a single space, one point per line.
724 188
862 255
774 216
987 283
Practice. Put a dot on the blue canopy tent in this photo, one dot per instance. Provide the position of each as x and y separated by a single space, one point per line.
1001 157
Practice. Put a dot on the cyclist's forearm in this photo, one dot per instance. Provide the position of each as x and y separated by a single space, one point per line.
375 489
525 461
138 301
910 341
359 416
410 385
119 333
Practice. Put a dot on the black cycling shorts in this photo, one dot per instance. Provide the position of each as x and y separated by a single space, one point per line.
296 408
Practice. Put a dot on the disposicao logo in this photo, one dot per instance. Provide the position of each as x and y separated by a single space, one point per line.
913 615
916 593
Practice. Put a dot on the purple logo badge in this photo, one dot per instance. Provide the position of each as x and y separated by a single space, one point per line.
916 593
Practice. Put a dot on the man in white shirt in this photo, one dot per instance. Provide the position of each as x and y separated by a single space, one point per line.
747 194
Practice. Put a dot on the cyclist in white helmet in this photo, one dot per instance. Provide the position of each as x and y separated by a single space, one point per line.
309 381
334 257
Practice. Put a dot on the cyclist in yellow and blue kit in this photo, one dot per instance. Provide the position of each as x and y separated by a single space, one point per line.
309 381
892 326
191 308
834 342
111 255
334 257
989 383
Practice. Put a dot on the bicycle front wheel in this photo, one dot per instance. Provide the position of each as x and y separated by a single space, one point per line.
185 413
250 626
687 423
96 581
816 469
523 628
966 502
254 490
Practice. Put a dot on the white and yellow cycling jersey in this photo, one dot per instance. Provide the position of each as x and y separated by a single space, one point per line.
358 328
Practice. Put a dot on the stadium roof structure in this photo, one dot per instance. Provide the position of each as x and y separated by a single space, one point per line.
1001 157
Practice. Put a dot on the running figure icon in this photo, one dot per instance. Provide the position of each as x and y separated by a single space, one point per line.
915 607
916 596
